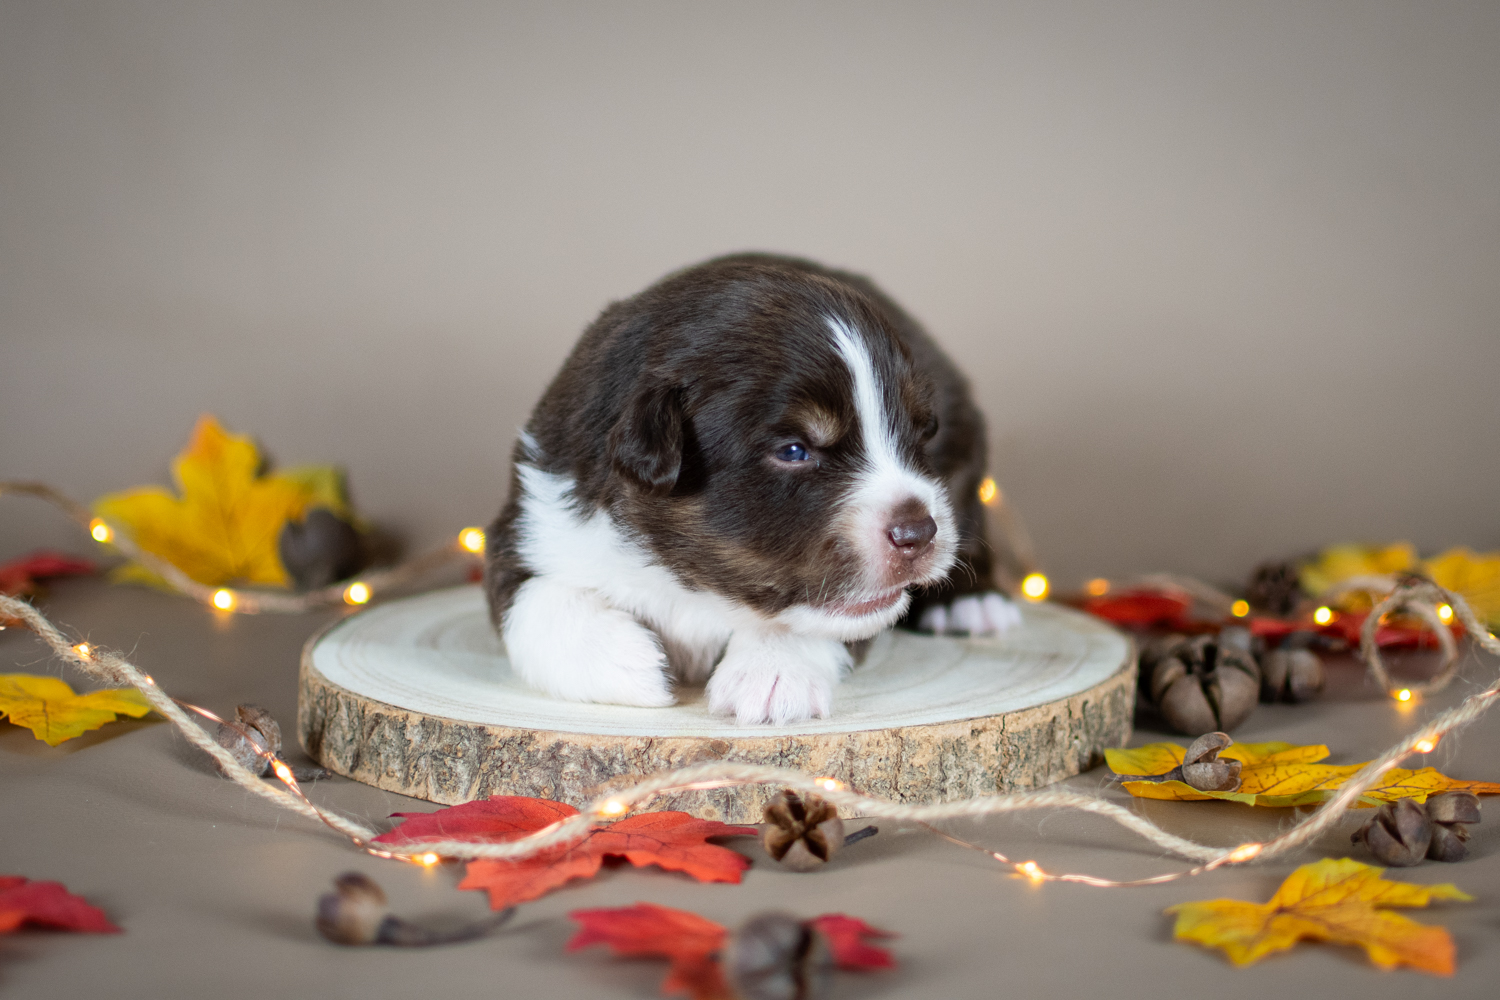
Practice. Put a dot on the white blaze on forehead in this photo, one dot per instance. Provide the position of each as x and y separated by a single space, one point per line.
869 400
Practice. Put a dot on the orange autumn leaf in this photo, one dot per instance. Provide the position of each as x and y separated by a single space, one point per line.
1281 774
49 708
225 525
1340 901
675 841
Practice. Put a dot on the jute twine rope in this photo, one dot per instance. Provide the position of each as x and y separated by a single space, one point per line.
1421 597
110 667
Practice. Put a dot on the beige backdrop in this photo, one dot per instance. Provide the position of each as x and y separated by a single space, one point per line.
1226 280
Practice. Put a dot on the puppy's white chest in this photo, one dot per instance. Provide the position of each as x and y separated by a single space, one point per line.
594 554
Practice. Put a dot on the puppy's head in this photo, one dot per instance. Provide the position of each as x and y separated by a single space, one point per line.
772 446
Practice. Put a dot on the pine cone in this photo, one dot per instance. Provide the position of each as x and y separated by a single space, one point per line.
1275 587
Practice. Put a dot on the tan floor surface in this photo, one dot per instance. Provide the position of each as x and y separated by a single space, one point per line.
215 890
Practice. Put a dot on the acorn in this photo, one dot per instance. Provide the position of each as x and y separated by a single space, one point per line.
356 913
1204 683
1398 834
803 832
320 549
775 956
254 734
1450 813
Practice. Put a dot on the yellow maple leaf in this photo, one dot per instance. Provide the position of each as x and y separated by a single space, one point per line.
1340 562
224 527
49 708
1280 774
1475 576
1330 900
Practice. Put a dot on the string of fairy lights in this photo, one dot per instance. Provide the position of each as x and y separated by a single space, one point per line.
616 805
1027 581
1435 605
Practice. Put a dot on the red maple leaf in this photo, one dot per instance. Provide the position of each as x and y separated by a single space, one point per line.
671 840
48 904
21 576
1141 608
846 939
689 941
692 943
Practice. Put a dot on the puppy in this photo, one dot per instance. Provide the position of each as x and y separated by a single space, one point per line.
738 474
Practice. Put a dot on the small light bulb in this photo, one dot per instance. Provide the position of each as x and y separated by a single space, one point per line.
989 492
1404 694
1240 609
429 859
1424 746
1032 871
1245 852
830 784
1445 612
357 593
471 540
1097 587
83 650
1323 615
223 599
612 807
1034 587
100 530
283 772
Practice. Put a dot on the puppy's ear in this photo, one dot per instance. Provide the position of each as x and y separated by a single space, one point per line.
645 444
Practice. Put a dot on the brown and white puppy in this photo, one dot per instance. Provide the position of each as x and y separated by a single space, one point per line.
737 472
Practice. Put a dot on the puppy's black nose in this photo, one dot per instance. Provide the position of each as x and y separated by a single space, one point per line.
911 537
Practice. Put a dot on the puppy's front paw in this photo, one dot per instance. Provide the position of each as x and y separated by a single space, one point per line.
776 680
571 644
973 614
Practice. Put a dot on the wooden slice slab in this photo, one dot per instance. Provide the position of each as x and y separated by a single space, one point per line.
416 697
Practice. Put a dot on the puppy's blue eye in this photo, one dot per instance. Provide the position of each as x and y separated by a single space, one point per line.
794 452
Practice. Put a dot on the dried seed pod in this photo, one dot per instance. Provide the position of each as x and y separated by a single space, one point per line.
1204 770
1201 766
774 956
1450 813
256 734
1290 675
320 549
1203 683
803 832
1453 807
356 913
1166 673
1398 834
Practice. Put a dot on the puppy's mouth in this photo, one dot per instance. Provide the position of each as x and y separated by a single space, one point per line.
869 605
